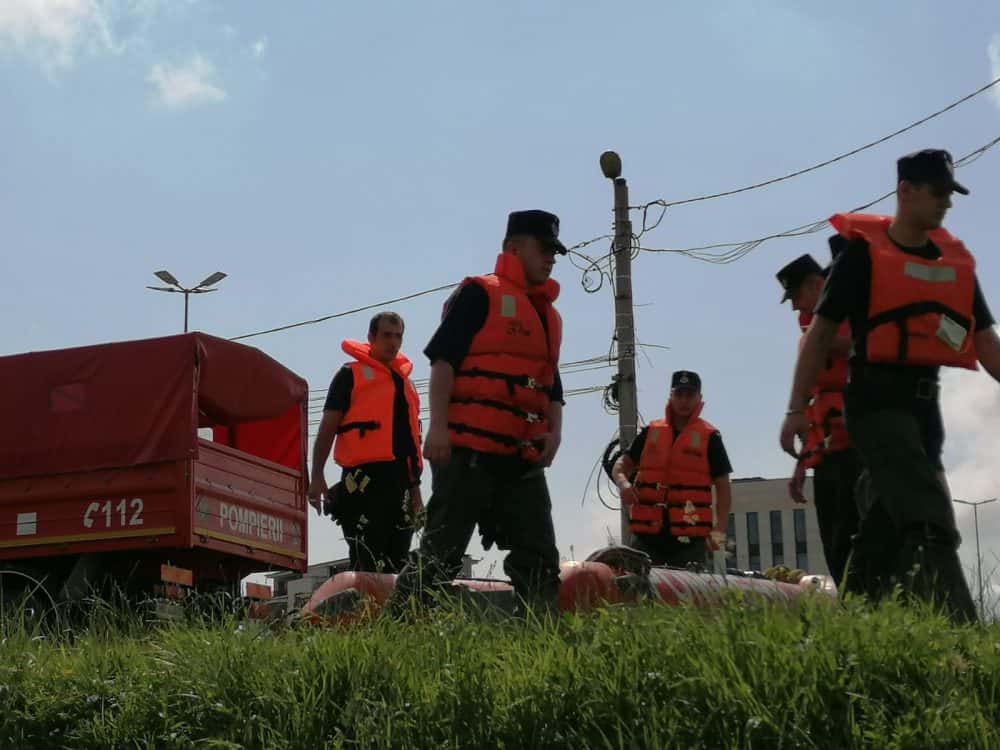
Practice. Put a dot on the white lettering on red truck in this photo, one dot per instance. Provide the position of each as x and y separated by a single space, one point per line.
110 515
251 523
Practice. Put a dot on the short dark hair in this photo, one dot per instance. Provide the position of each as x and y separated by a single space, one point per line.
388 315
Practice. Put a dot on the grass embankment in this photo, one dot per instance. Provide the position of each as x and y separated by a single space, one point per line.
655 677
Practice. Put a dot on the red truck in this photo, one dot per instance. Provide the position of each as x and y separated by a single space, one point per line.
107 472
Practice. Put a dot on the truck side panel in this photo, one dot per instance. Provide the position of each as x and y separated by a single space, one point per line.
249 507
131 508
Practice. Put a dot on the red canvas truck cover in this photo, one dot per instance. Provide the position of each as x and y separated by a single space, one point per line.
105 438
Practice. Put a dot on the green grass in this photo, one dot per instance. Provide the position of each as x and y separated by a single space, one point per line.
656 677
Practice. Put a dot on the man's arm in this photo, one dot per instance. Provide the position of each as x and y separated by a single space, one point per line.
988 350
437 445
321 449
815 350
623 469
465 315
841 346
553 438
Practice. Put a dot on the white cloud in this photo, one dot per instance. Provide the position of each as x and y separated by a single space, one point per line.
259 47
971 405
970 402
55 32
993 51
187 85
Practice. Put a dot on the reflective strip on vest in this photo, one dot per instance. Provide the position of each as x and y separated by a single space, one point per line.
932 274
508 305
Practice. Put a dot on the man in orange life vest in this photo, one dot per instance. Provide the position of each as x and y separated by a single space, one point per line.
372 409
910 291
679 458
827 450
496 419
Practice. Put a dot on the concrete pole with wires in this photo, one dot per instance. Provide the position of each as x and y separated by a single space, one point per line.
628 407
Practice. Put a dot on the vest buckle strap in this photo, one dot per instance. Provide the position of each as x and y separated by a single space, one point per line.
361 427
512 381
527 416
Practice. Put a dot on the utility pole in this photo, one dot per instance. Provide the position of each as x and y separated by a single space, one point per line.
979 560
628 407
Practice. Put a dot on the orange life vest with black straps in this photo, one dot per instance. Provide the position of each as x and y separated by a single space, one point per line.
501 393
825 412
674 482
366 430
920 311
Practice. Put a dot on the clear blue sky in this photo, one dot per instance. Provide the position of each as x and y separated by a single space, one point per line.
328 155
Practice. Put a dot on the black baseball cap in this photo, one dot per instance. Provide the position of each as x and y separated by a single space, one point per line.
793 274
930 165
685 380
536 223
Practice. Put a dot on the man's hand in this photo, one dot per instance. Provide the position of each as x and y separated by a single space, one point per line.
716 540
550 445
416 508
794 424
437 445
317 489
796 482
628 494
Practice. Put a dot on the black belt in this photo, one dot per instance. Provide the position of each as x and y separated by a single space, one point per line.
926 389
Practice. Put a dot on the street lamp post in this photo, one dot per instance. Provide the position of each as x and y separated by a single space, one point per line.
176 288
979 560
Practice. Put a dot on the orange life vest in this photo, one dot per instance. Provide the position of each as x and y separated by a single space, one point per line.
920 311
501 393
366 431
674 482
825 412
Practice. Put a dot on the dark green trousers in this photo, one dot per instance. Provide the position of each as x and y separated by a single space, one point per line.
509 501
834 480
907 533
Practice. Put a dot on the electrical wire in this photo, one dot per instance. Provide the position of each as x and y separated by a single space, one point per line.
346 312
734 251
840 157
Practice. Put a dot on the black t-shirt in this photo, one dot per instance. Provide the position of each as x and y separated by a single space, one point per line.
847 294
718 459
465 314
338 398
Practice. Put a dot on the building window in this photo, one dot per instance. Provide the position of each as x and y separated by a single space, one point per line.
753 542
777 541
801 548
731 542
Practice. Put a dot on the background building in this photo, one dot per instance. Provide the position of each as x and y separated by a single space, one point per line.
767 528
